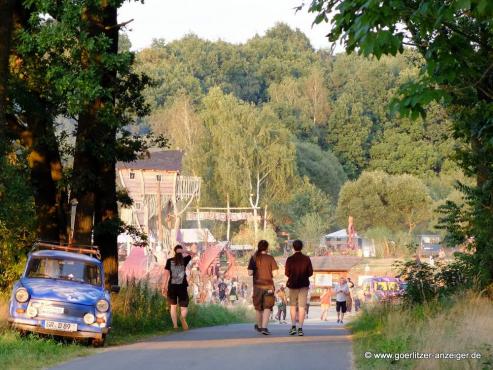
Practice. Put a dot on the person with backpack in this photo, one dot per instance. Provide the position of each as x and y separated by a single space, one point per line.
233 292
175 286
262 267
298 269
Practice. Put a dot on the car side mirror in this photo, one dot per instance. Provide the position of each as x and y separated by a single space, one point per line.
115 289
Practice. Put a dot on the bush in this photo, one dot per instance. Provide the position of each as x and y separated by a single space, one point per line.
17 218
426 283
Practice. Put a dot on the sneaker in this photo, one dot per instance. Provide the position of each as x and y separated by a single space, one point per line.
342 322
257 328
266 331
300 332
338 321
293 331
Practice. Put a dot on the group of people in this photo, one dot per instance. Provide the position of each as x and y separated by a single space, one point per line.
220 291
262 267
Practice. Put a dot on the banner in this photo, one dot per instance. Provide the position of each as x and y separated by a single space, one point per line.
219 216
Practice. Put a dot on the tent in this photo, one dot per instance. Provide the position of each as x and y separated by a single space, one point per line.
340 234
340 239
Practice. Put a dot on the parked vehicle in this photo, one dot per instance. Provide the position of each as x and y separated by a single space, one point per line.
429 245
62 293
382 289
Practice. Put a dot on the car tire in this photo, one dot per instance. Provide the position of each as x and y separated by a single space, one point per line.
98 343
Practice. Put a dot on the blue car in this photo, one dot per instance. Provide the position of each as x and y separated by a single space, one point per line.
62 293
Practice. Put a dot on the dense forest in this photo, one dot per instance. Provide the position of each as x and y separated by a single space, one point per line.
272 122
305 123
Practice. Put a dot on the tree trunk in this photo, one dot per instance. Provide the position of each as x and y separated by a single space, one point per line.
94 172
45 174
484 207
84 176
38 136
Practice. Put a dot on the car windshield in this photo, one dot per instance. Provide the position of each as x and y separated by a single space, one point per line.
393 285
64 269
382 285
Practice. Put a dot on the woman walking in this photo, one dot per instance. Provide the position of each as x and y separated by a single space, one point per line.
175 286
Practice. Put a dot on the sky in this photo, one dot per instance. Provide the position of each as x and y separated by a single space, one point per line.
234 21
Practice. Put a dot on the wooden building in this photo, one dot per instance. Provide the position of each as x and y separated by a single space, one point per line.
160 195
326 272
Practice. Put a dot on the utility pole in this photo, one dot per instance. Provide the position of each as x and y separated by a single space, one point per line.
265 218
228 218
73 209
159 214
255 224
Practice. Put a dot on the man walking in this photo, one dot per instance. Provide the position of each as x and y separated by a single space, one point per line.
342 292
298 270
262 267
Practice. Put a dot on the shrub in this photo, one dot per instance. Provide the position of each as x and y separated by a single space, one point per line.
426 282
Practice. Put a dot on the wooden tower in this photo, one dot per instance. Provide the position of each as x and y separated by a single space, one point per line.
160 196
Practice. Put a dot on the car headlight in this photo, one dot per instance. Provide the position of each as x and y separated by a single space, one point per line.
89 318
22 295
32 312
102 305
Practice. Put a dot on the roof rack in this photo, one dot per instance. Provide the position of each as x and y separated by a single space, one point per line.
91 250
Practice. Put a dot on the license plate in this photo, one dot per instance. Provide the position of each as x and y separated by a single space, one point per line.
51 310
60 326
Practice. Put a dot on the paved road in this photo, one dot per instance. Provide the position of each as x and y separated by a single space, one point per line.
325 346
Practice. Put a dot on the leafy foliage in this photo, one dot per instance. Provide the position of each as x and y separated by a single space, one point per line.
378 199
454 40
249 151
321 167
426 283
17 217
308 207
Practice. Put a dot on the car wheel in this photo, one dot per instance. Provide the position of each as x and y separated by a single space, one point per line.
97 343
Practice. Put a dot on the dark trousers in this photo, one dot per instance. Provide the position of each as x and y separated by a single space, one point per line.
281 312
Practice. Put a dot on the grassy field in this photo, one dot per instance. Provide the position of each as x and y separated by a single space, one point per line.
461 325
138 313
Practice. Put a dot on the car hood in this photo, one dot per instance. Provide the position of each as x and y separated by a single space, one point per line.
64 291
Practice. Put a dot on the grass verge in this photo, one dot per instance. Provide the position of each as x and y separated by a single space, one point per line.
138 312
460 325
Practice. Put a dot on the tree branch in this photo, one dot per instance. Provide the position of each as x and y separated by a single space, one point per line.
119 25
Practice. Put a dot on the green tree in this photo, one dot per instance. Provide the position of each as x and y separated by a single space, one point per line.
362 91
321 167
454 40
305 199
376 199
302 104
182 125
251 153
310 228
65 62
418 147
409 201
